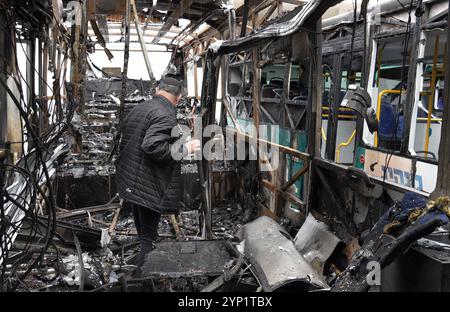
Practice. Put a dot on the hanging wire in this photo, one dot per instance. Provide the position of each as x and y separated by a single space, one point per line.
25 182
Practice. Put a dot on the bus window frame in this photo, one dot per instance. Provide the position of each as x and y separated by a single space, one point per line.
421 62
245 99
338 61
368 139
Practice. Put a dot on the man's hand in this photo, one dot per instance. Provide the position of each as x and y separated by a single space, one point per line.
218 138
193 146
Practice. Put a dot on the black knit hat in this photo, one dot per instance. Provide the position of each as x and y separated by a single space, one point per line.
171 80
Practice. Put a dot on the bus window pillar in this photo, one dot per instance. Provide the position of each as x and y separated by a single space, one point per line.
416 96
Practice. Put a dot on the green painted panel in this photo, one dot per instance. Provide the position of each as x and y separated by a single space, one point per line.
298 164
282 136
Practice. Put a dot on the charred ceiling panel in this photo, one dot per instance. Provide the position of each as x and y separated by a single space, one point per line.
188 9
172 18
309 14
165 5
144 4
108 7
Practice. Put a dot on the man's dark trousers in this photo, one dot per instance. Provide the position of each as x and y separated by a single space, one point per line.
146 221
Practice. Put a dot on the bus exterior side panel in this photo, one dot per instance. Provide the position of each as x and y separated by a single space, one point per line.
399 170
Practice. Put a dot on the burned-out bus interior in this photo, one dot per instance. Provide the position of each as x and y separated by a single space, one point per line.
334 174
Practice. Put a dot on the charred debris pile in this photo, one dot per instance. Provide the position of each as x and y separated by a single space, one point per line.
63 228
95 243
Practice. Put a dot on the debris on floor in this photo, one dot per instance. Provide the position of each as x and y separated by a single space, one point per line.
317 149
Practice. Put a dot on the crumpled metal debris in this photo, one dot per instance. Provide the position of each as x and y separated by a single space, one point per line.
97 270
275 261
428 243
315 242
72 265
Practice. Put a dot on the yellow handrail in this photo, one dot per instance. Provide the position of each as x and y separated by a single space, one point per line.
432 119
341 116
343 144
343 109
324 137
380 97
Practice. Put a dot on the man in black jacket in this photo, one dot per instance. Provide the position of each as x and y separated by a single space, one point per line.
148 177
